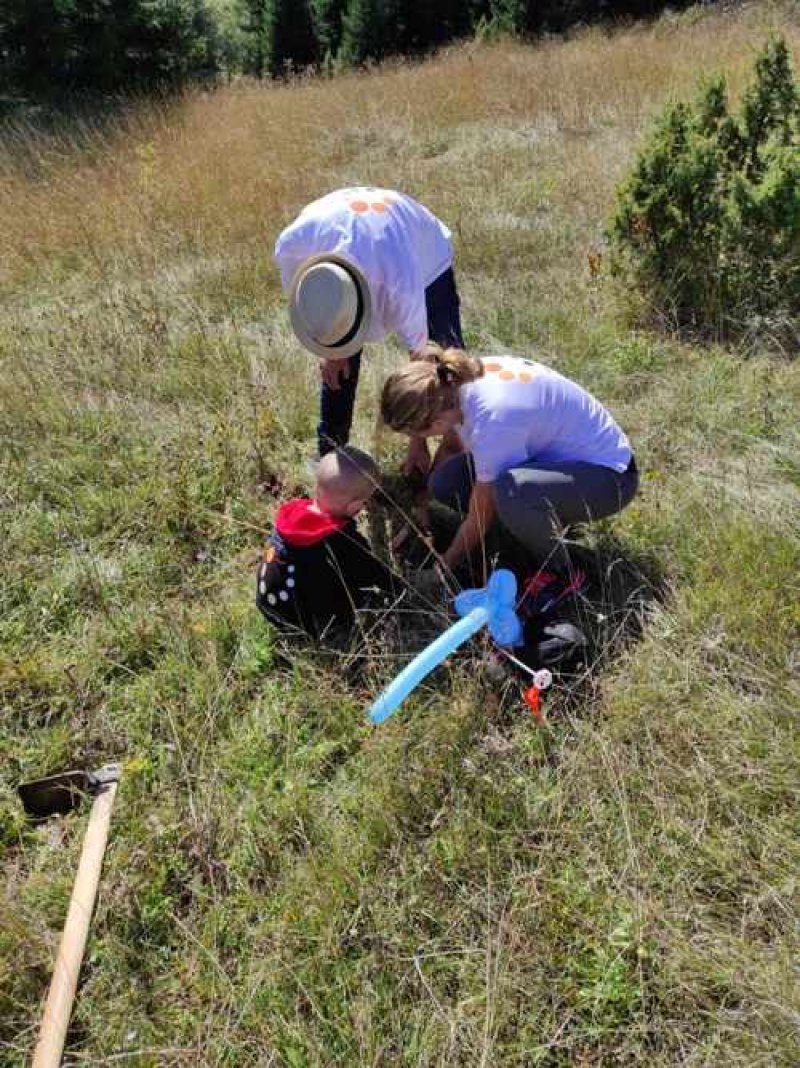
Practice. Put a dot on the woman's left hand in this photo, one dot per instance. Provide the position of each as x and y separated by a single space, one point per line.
479 518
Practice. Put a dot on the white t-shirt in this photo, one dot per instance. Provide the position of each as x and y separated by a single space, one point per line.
521 410
399 245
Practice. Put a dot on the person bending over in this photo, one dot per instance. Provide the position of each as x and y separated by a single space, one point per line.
359 264
522 444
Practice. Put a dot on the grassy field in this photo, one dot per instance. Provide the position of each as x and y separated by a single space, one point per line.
285 885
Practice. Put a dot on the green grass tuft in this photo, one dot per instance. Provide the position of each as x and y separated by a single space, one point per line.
284 884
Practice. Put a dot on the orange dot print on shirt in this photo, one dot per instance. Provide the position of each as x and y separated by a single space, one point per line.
360 206
505 374
379 206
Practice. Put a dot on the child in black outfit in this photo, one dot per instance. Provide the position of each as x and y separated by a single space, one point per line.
317 570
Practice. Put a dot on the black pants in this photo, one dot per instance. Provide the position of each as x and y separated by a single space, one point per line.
444 327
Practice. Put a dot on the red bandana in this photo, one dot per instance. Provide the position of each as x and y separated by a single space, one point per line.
300 527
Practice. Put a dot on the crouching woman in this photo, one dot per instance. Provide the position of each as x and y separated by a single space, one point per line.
521 444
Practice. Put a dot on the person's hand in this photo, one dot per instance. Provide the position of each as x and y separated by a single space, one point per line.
334 372
422 515
418 459
420 525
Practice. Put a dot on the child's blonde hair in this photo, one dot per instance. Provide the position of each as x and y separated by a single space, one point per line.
414 397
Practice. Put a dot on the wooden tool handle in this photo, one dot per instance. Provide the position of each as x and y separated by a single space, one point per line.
73 939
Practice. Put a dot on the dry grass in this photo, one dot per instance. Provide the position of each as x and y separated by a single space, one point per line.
284 887
219 174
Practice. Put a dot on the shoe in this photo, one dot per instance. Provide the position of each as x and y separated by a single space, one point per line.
554 644
560 645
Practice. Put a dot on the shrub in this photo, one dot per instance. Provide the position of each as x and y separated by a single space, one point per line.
707 226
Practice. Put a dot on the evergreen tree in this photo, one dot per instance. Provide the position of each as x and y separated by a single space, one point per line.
255 32
707 225
326 19
424 25
510 16
289 36
35 37
771 105
114 44
94 44
363 32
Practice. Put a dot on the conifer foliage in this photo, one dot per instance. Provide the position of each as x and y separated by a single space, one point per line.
108 46
93 44
707 226
364 30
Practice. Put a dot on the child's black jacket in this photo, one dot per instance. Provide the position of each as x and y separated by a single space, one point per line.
317 570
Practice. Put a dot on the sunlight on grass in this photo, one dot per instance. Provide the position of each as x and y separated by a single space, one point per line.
285 885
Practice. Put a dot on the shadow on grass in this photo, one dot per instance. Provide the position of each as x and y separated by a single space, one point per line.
622 586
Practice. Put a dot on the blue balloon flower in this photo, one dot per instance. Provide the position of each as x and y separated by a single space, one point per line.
492 607
498 598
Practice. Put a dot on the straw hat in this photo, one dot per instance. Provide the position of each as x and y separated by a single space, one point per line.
330 306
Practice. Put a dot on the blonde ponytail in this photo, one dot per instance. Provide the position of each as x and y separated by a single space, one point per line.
414 397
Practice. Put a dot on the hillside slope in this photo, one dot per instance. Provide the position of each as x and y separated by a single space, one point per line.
284 885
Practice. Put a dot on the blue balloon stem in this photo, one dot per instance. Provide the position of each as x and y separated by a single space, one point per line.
423 664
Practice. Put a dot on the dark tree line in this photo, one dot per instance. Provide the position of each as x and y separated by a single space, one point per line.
110 45
105 45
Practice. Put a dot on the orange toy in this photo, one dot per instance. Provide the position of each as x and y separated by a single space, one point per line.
533 695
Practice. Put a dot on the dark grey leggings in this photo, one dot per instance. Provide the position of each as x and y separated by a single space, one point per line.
535 499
